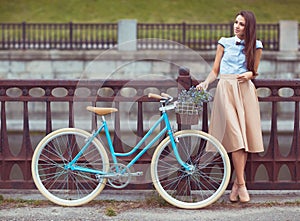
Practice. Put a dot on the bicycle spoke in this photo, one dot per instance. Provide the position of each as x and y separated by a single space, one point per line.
61 183
203 183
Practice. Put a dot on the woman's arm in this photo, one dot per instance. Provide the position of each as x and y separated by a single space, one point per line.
212 76
249 74
257 60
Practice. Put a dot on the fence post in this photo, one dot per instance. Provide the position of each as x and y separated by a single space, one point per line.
127 35
288 39
184 80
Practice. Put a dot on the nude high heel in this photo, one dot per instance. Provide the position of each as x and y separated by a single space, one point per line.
243 193
233 197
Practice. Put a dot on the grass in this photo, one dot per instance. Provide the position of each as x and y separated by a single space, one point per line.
110 211
154 11
112 208
156 200
4 203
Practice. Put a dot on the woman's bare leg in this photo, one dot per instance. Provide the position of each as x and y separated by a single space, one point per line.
239 159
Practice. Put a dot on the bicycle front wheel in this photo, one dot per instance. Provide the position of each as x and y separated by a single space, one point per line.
63 185
205 180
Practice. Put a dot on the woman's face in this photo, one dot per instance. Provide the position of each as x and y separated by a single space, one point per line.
239 26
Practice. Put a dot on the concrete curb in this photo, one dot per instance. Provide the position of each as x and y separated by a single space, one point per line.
257 196
264 206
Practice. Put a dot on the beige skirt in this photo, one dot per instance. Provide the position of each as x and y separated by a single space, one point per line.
235 119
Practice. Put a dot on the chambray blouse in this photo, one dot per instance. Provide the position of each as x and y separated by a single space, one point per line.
234 60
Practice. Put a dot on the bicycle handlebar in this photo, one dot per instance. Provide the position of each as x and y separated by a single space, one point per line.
163 96
156 96
167 96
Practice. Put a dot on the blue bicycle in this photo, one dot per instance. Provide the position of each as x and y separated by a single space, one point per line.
190 169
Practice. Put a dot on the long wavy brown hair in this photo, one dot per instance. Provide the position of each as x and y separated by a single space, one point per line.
250 39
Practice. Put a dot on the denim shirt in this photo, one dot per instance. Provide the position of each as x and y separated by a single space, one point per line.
234 59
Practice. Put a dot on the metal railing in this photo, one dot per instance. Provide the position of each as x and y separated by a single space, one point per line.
61 36
201 37
79 36
29 93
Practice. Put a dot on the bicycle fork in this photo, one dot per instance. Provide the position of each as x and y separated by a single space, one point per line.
174 142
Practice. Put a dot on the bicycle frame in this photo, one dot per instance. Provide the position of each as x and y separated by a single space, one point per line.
190 169
164 118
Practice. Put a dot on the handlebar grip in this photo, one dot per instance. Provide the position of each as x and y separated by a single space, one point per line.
156 96
165 95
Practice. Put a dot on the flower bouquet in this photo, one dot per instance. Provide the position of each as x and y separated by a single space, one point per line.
189 105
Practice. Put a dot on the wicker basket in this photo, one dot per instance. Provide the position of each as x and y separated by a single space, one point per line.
187 113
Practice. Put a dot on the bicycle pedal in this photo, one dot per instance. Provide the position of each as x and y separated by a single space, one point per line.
137 174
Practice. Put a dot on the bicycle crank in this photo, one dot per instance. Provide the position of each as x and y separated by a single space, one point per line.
119 175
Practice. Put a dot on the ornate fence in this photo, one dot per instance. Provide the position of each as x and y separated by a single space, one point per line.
27 93
276 158
204 36
79 36
61 36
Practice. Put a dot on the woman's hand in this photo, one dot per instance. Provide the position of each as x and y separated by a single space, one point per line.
212 76
202 86
244 77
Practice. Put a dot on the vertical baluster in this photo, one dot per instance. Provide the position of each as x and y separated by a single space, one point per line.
94 118
48 110
22 41
211 36
94 104
79 33
60 37
5 154
184 33
117 143
71 108
296 143
184 81
15 40
48 117
140 129
90 36
45 39
54 37
26 145
205 118
71 35
273 145
98 35
2 40
40 37
4 146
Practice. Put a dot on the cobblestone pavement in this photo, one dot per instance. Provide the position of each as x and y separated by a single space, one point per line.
134 205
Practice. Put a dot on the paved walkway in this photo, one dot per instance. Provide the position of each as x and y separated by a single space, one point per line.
132 205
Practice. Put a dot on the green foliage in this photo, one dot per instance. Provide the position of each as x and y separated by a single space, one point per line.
167 11
20 202
110 211
156 200
197 97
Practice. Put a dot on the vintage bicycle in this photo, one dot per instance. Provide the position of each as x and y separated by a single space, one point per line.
189 168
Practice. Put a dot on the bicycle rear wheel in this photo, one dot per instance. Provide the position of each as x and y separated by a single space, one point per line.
202 185
64 186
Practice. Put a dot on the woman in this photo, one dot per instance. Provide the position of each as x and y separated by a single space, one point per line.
235 119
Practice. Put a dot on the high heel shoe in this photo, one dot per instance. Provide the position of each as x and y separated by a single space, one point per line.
233 196
243 193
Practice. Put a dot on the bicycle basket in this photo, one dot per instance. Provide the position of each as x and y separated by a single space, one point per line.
187 113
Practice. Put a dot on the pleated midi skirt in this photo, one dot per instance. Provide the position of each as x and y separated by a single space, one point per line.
235 119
